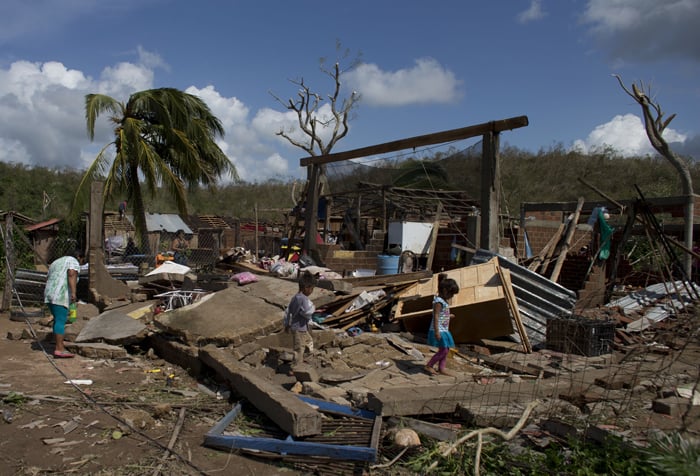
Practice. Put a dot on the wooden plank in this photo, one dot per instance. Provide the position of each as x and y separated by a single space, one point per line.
434 237
571 230
337 409
291 447
420 141
216 439
546 251
514 367
550 252
376 433
385 279
414 313
514 309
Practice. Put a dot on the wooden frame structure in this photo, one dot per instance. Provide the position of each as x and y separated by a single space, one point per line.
216 438
490 175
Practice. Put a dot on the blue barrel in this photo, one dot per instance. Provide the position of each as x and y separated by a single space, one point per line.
388 264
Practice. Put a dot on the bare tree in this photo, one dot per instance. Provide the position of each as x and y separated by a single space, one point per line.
314 125
655 125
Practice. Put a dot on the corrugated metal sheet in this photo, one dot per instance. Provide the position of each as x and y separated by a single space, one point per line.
656 302
539 299
168 222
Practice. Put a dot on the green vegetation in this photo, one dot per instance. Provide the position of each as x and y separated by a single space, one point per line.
670 455
544 176
164 141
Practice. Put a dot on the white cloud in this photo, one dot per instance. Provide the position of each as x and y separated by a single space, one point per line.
41 114
151 60
42 117
533 13
270 122
646 29
626 135
123 79
25 81
13 151
426 83
248 144
230 111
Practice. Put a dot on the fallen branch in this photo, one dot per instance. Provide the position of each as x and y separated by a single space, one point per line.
386 465
171 443
484 431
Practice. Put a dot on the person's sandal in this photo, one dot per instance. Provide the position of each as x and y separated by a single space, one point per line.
429 370
58 354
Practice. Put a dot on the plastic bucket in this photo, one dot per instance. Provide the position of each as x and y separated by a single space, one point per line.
387 264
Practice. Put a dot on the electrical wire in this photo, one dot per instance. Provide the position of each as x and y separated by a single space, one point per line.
104 410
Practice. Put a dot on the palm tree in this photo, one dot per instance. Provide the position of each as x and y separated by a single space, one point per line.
164 140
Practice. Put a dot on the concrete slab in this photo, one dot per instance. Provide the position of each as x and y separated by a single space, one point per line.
445 398
281 406
235 315
177 353
98 350
114 327
673 406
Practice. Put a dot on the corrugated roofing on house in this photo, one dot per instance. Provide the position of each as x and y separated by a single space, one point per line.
539 299
168 222
212 222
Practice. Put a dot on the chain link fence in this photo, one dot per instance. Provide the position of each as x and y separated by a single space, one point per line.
27 249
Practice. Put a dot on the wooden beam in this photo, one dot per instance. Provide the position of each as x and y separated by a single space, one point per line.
490 201
419 141
567 241
434 238
10 261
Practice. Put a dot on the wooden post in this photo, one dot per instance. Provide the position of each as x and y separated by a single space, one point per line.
103 287
311 220
627 232
329 214
257 244
358 224
9 262
385 227
545 254
433 238
490 205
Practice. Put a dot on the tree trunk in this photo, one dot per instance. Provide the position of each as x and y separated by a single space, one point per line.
140 214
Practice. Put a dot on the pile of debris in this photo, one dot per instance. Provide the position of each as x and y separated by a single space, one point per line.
366 378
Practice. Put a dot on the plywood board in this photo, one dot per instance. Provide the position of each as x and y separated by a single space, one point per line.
480 308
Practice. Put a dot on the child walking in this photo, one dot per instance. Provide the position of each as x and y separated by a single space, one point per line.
439 333
297 317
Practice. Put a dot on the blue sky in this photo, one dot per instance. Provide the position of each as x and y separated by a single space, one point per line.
426 67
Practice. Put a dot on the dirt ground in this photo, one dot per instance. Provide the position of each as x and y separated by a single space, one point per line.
67 429
124 420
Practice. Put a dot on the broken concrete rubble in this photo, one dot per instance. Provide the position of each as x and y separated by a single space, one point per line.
284 408
114 327
382 372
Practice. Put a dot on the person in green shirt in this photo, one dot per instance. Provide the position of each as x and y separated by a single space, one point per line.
61 291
